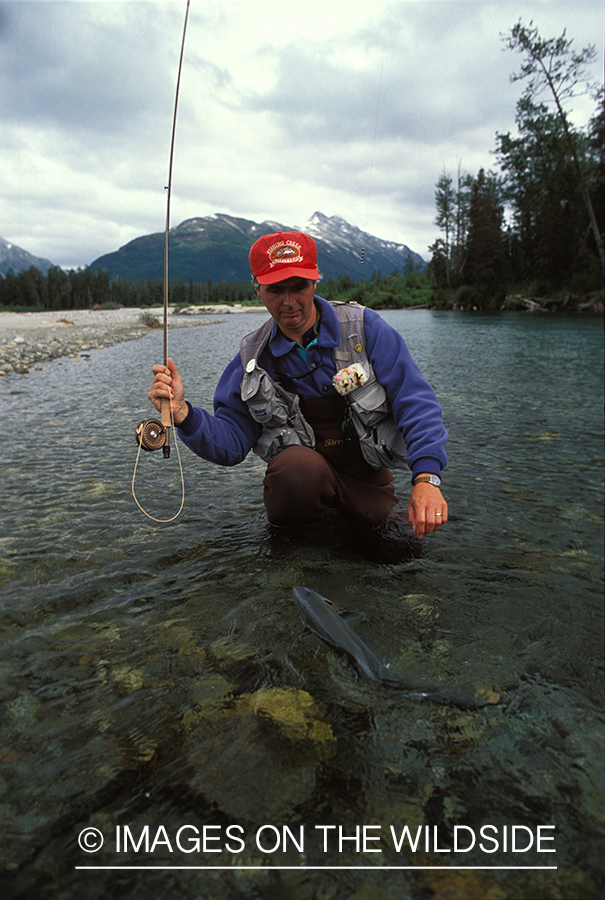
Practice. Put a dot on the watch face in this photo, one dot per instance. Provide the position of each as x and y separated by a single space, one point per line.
433 479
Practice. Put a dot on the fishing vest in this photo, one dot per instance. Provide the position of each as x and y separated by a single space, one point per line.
279 410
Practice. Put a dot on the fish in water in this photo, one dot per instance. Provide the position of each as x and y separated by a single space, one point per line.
323 618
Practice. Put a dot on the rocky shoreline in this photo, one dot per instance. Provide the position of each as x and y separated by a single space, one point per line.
28 340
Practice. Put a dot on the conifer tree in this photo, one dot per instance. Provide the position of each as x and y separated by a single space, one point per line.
552 65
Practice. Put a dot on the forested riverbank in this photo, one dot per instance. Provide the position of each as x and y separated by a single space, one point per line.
533 229
33 335
83 289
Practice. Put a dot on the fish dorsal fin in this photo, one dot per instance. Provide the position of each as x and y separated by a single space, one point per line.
349 615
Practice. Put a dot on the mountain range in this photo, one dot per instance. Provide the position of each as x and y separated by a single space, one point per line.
19 260
216 248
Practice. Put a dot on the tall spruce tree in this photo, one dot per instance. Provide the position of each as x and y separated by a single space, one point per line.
540 186
553 65
445 201
463 205
485 267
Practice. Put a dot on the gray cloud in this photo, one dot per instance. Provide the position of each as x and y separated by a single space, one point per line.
82 66
352 108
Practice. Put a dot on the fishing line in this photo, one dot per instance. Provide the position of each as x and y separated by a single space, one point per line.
134 475
152 434
361 258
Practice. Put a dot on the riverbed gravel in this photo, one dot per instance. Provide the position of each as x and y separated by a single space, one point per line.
29 340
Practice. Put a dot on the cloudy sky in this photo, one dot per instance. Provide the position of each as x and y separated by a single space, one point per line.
350 108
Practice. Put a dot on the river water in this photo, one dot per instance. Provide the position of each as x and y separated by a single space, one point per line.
155 686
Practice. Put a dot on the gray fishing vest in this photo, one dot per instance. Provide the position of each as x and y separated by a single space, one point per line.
278 410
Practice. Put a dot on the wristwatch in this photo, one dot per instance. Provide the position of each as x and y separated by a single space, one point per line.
430 479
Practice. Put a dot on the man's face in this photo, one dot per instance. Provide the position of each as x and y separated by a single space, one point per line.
290 302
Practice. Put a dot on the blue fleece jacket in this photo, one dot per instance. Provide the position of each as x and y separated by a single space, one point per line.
228 436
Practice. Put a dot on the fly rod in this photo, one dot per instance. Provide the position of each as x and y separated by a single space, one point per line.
150 433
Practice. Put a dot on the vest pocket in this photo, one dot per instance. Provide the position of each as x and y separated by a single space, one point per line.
369 402
264 403
278 412
383 446
381 441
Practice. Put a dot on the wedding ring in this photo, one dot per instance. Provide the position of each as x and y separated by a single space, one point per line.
439 514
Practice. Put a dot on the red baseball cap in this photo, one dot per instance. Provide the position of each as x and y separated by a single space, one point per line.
285 254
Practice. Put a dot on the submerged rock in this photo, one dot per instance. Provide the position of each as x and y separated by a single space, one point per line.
293 712
463 886
258 759
21 713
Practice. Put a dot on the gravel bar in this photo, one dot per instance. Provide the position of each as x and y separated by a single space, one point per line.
27 340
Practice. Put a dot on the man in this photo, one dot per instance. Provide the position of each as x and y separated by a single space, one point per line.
329 395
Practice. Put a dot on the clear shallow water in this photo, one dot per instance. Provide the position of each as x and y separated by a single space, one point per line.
154 675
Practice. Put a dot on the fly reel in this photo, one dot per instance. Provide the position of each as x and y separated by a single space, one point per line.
151 434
